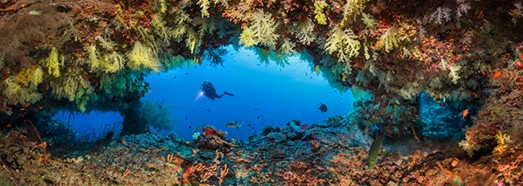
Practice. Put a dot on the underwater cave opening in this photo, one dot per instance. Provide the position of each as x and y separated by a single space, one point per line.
265 94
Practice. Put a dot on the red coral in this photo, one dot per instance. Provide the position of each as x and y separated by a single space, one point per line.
210 131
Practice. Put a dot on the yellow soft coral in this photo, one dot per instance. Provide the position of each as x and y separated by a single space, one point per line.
262 30
343 44
30 76
318 12
109 63
22 88
204 4
143 57
73 87
52 63
389 40
502 140
352 9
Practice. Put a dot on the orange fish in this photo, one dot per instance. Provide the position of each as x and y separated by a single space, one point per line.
465 113
497 75
304 126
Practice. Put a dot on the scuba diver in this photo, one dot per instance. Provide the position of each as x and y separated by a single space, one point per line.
209 91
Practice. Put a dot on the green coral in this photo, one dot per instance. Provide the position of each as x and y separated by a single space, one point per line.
112 85
72 87
156 114
318 12
343 44
52 63
262 30
143 57
170 61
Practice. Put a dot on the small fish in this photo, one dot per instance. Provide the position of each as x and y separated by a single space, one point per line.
374 151
174 77
323 108
304 126
496 75
233 125
465 113
209 110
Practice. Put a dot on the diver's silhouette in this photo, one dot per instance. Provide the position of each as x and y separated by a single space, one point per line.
210 92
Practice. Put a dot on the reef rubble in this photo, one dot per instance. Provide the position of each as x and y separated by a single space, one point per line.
333 153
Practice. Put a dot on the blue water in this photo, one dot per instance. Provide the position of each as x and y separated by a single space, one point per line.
265 94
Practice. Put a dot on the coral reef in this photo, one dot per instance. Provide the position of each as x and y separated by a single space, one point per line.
440 121
334 153
83 55
362 42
